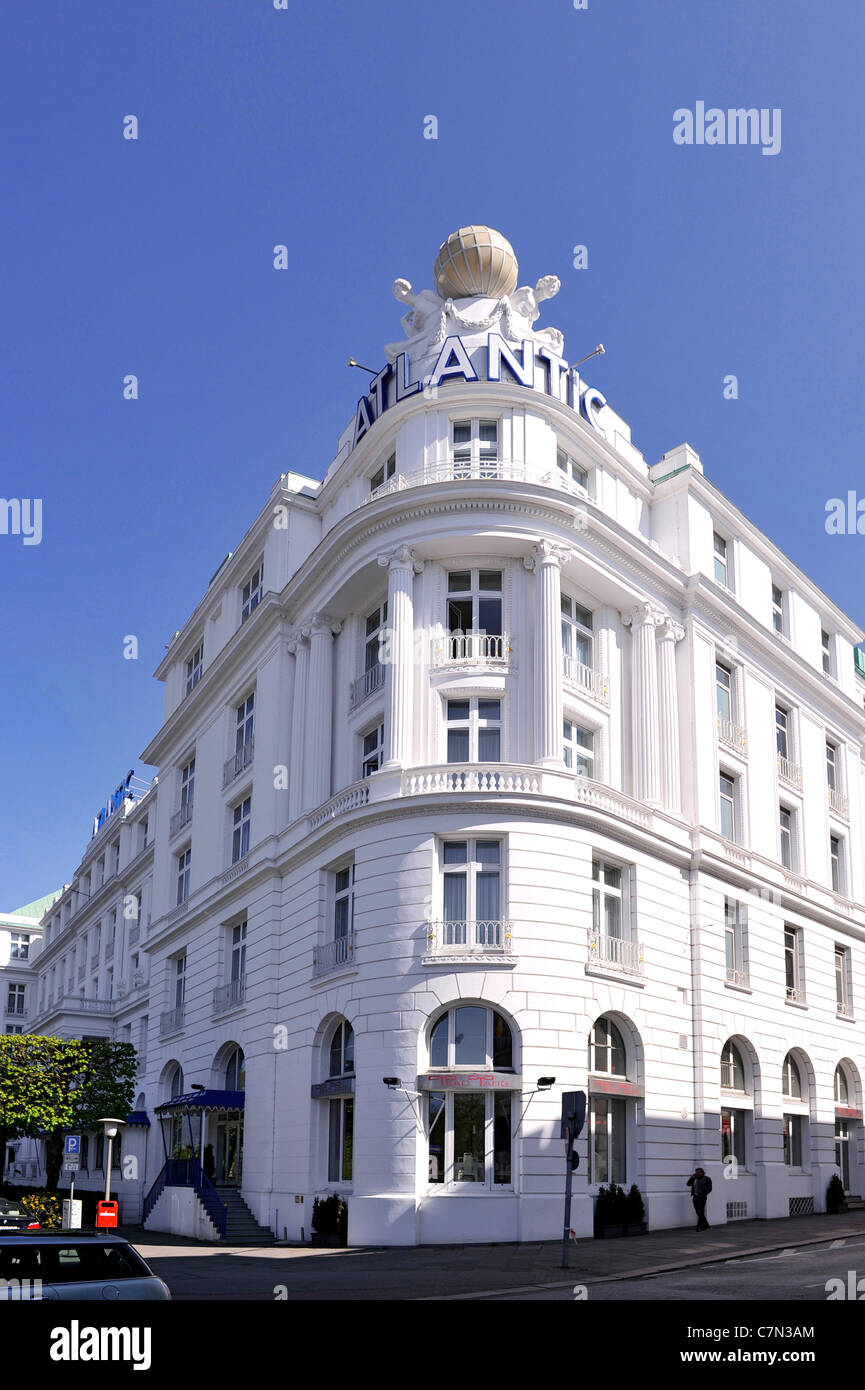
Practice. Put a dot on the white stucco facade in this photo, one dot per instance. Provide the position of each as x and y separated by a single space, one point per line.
579 785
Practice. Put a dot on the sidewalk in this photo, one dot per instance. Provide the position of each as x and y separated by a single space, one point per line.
196 1270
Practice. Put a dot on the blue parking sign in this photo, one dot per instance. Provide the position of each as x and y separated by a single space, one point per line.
72 1144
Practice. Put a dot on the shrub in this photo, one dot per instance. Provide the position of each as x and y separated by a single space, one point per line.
330 1216
635 1211
834 1195
44 1207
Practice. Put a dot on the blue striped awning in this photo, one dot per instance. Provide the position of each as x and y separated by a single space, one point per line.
196 1101
138 1117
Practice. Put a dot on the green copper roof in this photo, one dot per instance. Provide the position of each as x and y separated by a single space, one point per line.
39 907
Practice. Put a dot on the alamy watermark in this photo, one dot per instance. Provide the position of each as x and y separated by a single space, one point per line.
22 516
736 126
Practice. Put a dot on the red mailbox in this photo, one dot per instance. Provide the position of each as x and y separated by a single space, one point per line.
106 1214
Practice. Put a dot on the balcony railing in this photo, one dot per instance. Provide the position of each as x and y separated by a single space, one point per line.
615 953
839 804
13 1011
733 735
76 1004
592 683
349 800
738 977
171 1021
239 760
844 1008
789 772
470 938
467 648
229 996
479 470
333 954
795 994
470 777
366 685
180 818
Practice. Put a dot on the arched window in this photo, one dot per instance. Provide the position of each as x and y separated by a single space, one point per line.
342 1050
842 1093
235 1071
791 1080
609 1116
732 1068
174 1081
606 1049
843 1126
340 1126
470 1123
174 1087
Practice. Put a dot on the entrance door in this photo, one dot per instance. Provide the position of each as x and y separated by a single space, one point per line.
229 1153
842 1151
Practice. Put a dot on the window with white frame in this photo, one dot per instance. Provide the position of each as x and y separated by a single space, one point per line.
241 818
237 963
843 993
244 724
610 908
15 999
475 447
343 902
372 751
827 648
577 634
383 474
779 611
195 667
607 1118
788 837
184 862
725 693
340 1109
723 565
187 786
734 1117
572 470
793 972
842 1090
180 980
142 834
474 602
783 741
474 730
578 748
792 1131
833 767
471 1131
235 1071
251 592
838 864
14 1028
375 633
732 1068
19 946
471 891
728 806
735 942
734 1123
115 862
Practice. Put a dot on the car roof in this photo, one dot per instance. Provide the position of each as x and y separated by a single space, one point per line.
61 1237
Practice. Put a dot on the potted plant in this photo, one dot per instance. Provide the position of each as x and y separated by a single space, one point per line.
635 1212
835 1196
610 1212
329 1221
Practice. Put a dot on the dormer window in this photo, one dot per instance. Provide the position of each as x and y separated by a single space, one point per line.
383 474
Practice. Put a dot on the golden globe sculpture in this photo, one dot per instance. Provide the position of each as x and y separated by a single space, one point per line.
475 261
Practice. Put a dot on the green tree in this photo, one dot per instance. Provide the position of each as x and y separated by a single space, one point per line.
48 1085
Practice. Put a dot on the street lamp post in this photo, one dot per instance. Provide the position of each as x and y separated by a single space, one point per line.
110 1128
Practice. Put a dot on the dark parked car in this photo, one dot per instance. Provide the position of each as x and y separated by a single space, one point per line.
14 1218
75 1265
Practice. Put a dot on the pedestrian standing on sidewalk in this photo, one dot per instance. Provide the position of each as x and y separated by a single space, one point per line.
700 1186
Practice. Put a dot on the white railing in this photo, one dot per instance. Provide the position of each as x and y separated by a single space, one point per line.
733 735
591 682
615 953
180 818
470 777
469 938
839 804
789 771
590 793
349 800
456 647
333 954
230 995
13 1012
76 1004
738 977
844 1009
171 1021
239 760
479 470
795 994
366 685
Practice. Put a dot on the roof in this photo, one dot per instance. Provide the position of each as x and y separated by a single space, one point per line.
38 908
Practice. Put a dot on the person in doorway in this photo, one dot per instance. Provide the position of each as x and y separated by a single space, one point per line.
700 1186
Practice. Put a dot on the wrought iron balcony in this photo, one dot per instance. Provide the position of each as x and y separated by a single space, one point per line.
615 953
366 685
789 772
229 996
180 818
171 1021
471 648
585 679
733 735
238 761
14 1011
333 954
839 804
795 994
470 938
738 977
844 1008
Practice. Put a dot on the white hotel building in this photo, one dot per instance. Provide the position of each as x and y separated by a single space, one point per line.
498 754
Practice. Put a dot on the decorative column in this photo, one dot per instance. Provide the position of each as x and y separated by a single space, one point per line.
300 647
546 559
669 633
318 734
644 701
401 566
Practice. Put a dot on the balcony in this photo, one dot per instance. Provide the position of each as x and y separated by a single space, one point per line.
738 978
229 996
479 470
75 1003
586 680
366 685
839 805
241 759
614 954
471 649
483 942
180 818
844 1008
795 994
790 772
732 736
171 1021
471 777
333 954
14 1011
352 797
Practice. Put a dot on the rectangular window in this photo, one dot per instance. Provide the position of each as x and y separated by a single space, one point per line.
735 942
778 613
793 965
184 860
472 892
20 946
727 806
828 654
786 831
842 986
577 633
474 602
571 469
608 900
375 632
179 981
832 768
793 1140
187 785
474 730
606 1140
733 1135
343 902
115 858
372 751
782 731
836 860
244 720
578 747
383 474
194 667
252 592
475 448
238 951
724 692
722 563
241 819
15 1000
339 1140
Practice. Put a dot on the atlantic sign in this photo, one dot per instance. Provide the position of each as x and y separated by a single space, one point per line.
538 366
114 802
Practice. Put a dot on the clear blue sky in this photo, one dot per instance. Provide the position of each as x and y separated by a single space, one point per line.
305 127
